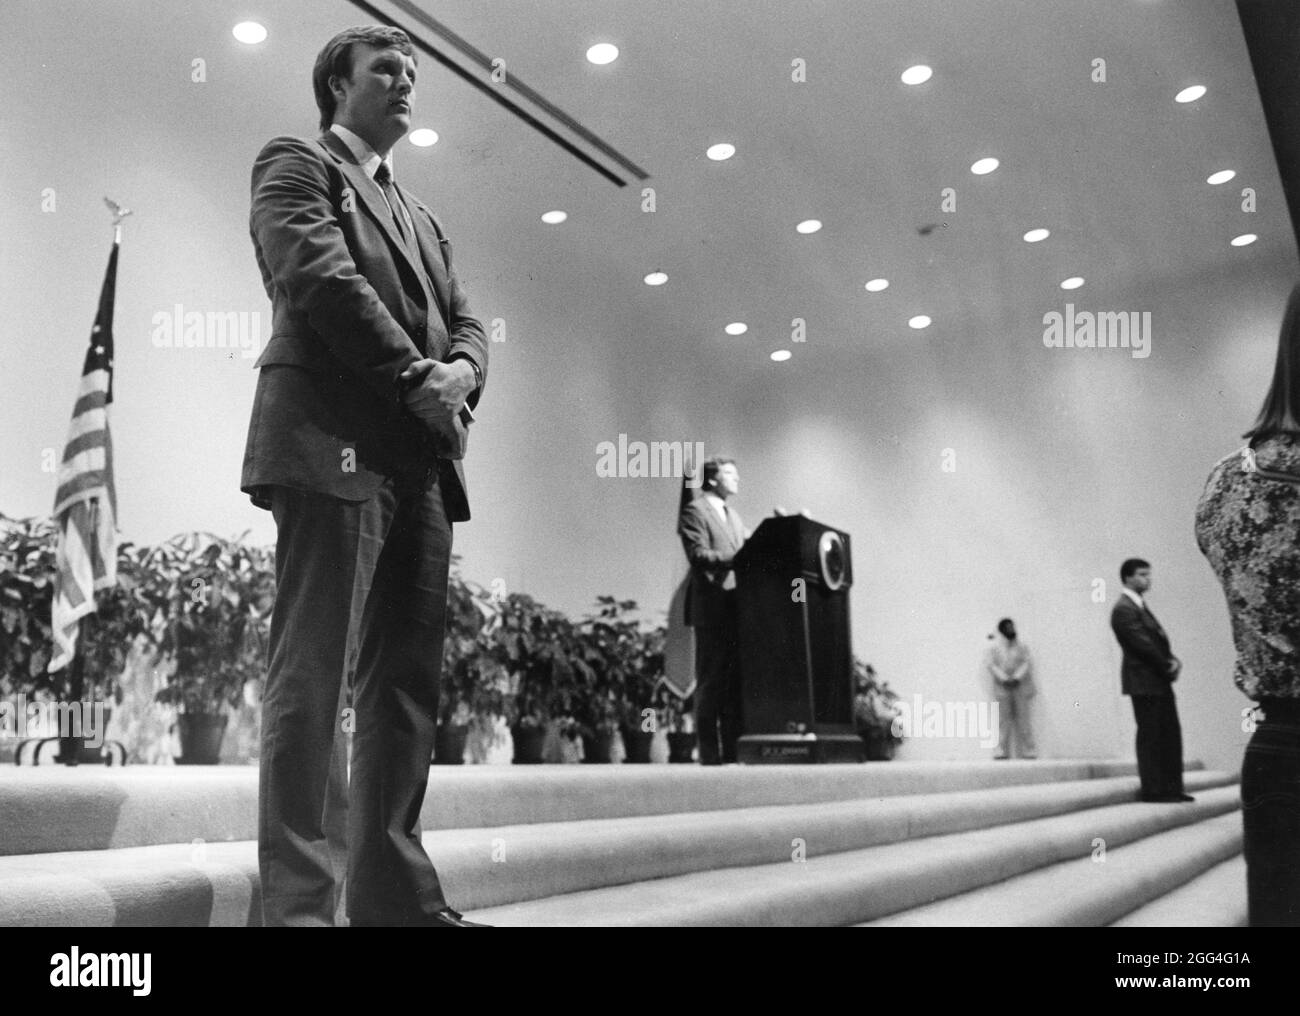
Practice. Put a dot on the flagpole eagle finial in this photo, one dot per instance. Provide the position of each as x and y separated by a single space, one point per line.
119 212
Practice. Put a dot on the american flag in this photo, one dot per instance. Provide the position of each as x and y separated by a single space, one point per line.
85 504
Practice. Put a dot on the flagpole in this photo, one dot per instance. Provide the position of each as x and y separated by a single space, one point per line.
70 745
119 213
86 517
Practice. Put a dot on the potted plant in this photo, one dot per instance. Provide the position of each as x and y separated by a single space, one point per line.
631 663
468 689
27 572
874 711
532 645
214 600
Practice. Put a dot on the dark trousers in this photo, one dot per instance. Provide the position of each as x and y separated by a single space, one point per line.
361 592
717 690
1270 798
1159 745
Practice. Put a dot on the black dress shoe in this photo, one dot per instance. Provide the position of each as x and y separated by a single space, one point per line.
1166 798
448 918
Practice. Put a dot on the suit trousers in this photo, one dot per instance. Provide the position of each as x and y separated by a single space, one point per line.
360 606
717 688
1159 745
1013 718
1270 799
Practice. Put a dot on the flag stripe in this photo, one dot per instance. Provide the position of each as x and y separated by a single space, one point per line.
85 500
88 443
95 419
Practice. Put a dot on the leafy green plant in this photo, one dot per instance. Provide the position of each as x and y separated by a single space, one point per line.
874 704
475 681
27 573
625 662
213 600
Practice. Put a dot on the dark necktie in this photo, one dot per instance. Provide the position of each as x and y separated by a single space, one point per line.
385 180
734 529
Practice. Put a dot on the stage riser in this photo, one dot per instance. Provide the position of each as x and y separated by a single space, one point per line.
863 885
1090 891
1213 899
95 808
936 857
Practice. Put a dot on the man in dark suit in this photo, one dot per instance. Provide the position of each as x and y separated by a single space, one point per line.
712 534
353 445
1146 676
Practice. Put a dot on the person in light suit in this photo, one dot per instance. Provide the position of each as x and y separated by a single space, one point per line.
1008 665
354 446
1147 676
712 534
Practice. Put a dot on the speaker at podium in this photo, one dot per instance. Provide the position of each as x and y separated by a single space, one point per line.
796 659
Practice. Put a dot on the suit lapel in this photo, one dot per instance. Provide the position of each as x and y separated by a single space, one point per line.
719 527
430 244
369 195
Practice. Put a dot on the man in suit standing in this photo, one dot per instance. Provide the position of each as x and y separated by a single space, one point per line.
712 534
354 445
1146 676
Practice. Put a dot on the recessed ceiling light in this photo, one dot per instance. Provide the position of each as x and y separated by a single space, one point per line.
554 218
1244 240
1190 94
603 53
781 355
809 226
720 151
876 285
249 32
1034 235
1073 282
656 279
1222 176
736 328
982 166
920 321
424 137
916 75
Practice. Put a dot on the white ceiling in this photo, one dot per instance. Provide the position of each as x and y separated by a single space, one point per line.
1115 170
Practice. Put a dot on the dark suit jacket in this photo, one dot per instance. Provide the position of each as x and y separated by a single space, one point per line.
351 309
1145 670
710 548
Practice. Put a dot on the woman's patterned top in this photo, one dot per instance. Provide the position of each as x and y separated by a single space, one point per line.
1248 527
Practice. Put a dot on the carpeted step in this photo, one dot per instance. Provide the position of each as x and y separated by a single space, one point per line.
1093 890
1215 899
53 808
863 885
202 883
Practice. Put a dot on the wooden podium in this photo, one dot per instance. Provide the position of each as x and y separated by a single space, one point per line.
796 659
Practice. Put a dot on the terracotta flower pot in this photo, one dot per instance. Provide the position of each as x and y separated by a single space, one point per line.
529 742
637 743
681 746
880 746
201 735
596 747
